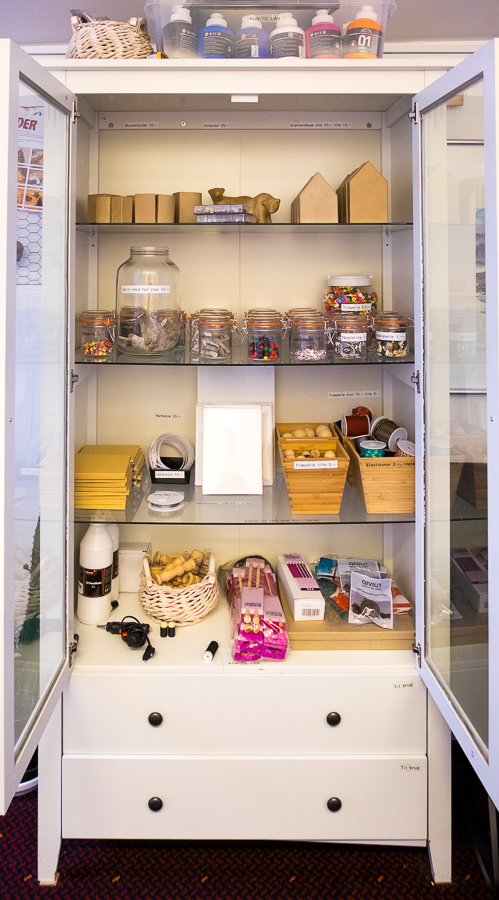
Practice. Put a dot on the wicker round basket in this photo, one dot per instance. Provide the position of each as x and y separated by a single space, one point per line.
109 40
185 606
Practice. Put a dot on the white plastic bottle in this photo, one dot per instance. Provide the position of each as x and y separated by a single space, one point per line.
287 39
96 569
114 531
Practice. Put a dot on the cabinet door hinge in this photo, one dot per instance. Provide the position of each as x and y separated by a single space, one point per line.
414 115
73 379
415 380
416 648
73 647
74 112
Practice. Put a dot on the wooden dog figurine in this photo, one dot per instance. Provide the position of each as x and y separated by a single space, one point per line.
262 206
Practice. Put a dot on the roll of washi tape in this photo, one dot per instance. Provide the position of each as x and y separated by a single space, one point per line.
372 448
384 429
355 426
405 448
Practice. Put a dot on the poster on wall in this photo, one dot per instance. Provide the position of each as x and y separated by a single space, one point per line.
30 158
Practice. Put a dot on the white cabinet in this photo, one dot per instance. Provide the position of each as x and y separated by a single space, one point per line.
162 126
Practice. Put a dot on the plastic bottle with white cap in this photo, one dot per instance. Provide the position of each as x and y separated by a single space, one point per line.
180 35
287 39
251 41
323 38
364 37
215 39
96 572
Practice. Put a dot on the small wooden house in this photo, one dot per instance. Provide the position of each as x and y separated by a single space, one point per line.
363 196
316 202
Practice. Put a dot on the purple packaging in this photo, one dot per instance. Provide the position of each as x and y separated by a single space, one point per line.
275 638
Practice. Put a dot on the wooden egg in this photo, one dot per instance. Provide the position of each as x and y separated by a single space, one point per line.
315 454
310 433
289 454
299 433
329 454
286 435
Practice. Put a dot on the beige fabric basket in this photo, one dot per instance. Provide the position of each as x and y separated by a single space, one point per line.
184 607
109 40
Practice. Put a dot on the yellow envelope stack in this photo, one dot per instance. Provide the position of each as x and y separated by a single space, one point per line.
134 451
102 480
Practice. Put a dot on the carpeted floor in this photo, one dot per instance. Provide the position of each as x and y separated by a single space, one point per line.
231 870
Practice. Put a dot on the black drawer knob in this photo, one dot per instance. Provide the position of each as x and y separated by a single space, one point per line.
155 719
334 804
155 803
333 719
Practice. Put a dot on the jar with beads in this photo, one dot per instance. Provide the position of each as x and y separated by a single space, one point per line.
352 294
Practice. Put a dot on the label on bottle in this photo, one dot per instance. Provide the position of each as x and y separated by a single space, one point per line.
288 43
216 43
116 563
391 336
324 42
364 42
145 288
95 582
181 39
248 45
355 336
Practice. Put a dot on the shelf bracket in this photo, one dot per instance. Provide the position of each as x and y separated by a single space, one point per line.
73 379
415 380
414 115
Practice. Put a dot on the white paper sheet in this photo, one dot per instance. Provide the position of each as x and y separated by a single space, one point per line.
232 449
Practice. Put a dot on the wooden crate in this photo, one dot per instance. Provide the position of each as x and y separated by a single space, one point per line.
313 490
384 484
320 635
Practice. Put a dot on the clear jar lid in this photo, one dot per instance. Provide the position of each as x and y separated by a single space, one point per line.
349 280
391 318
350 323
97 317
309 323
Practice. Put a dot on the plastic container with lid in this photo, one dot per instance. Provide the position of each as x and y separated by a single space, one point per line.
350 294
215 337
95 577
98 333
193 326
391 335
308 339
180 35
349 338
287 39
148 302
323 38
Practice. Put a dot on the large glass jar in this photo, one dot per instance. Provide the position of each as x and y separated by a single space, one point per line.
98 333
148 302
308 339
352 294
349 338
391 335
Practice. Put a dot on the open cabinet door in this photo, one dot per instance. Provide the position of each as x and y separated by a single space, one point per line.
456 263
35 341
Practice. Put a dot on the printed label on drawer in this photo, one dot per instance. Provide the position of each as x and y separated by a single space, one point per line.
145 288
316 464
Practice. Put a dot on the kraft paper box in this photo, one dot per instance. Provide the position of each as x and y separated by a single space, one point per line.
185 201
99 208
145 208
165 209
128 209
116 210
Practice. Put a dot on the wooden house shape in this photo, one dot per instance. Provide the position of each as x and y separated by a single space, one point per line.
363 196
316 203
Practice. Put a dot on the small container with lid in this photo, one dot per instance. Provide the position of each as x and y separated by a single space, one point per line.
264 338
215 337
391 335
148 302
350 294
308 339
210 313
349 338
98 333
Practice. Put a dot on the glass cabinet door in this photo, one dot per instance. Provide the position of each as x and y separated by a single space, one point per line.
457 269
36 156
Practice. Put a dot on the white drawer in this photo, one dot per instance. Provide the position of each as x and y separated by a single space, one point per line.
258 713
382 799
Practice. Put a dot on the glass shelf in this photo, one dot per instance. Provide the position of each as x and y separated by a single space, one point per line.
275 228
270 508
180 357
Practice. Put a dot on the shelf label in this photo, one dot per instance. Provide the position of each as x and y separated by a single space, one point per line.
216 125
137 126
329 125
316 464
145 288
351 395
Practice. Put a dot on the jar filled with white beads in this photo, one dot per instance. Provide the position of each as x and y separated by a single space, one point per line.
308 339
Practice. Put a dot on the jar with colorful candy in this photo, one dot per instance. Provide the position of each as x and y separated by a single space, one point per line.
98 333
350 294
264 338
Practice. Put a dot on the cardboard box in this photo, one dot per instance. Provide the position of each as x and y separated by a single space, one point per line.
165 209
99 208
116 209
302 591
128 209
145 208
185 201
316 202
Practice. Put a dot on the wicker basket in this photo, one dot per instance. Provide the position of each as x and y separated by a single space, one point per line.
109 40
184 607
